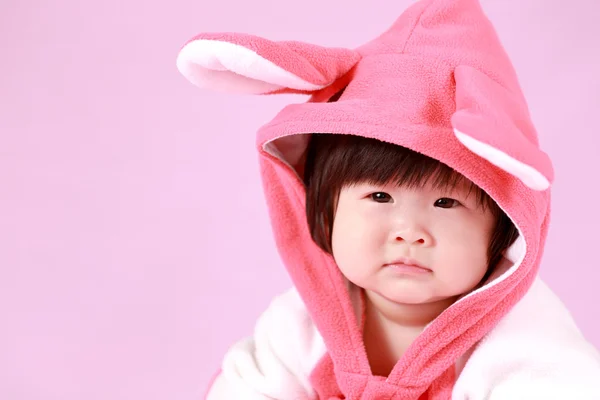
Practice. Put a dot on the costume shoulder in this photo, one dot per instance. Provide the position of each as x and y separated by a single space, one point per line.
277 361
535 352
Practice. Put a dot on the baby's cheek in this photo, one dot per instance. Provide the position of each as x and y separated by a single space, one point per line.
468 245
475 231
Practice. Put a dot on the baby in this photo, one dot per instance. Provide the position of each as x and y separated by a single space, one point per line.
410 203
411 232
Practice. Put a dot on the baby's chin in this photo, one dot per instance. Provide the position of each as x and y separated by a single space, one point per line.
413 294
410 297
409 309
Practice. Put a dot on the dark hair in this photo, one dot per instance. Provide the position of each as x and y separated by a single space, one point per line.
334 161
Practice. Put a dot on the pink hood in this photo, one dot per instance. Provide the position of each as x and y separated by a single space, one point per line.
438 82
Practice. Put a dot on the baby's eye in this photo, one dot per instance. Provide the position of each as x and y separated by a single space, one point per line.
446 202
381 197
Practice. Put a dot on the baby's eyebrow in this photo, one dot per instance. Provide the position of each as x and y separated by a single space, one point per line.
463 187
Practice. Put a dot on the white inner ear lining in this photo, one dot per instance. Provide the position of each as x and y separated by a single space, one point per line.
526 173
239 60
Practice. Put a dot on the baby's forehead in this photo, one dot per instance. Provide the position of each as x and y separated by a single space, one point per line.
463 188
452 183
460 184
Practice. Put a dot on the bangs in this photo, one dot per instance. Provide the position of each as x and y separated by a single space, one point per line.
353 160
334 162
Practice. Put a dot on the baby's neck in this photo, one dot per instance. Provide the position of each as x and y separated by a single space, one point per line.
390 328
405 315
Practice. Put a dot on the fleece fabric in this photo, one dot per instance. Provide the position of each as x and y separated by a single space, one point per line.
438 82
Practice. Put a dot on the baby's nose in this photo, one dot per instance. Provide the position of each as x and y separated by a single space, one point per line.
413 236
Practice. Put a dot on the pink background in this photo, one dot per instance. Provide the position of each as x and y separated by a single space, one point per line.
134 243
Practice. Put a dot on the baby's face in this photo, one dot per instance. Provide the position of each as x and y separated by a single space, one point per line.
446 233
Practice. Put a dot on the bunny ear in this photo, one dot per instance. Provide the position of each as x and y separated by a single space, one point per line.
242 63
494 123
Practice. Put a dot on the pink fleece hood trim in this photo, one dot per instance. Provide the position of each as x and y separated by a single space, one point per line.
438 82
